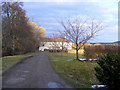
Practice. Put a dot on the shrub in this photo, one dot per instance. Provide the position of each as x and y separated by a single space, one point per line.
100 50
89 52
111 49
108 71
53 50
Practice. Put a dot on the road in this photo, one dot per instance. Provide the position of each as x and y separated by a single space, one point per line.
34 72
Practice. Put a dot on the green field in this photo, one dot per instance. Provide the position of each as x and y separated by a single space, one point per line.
78 74
9 61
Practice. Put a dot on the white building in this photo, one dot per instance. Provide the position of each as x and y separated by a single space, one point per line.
58 43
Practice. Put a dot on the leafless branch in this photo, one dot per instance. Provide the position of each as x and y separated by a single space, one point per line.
80 31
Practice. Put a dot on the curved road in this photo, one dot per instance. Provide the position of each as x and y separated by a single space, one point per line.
34 72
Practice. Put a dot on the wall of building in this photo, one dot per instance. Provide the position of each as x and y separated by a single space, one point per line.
55 45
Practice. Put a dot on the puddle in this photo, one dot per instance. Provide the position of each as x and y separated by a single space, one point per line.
53 85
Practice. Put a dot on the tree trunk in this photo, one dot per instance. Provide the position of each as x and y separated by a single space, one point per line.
13 45
77 57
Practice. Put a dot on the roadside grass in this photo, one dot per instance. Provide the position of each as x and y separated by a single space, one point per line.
9 61
78 74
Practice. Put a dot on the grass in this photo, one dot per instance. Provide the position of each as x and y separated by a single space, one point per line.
78 74
9 61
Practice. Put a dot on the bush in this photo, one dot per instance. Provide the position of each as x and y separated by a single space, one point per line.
108 72
7 52
53 50
89 52
100 50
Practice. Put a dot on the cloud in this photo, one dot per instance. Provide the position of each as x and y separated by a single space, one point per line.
45 14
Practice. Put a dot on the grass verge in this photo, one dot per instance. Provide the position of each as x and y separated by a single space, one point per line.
9 61
78 74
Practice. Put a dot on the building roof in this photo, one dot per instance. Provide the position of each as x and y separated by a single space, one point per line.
55 39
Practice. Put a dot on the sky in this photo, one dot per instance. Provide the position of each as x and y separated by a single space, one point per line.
45 15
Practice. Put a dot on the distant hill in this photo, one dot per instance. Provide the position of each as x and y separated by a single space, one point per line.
117 42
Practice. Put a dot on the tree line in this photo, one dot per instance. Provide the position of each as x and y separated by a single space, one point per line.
19 35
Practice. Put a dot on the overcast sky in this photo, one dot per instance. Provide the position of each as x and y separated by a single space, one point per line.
45 15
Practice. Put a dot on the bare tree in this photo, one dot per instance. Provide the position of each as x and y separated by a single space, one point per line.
59 41
55 44
80 31
64 42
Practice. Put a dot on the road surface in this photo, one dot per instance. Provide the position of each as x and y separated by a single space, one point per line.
34 72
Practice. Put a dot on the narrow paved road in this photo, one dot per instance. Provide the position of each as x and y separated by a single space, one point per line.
34 72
